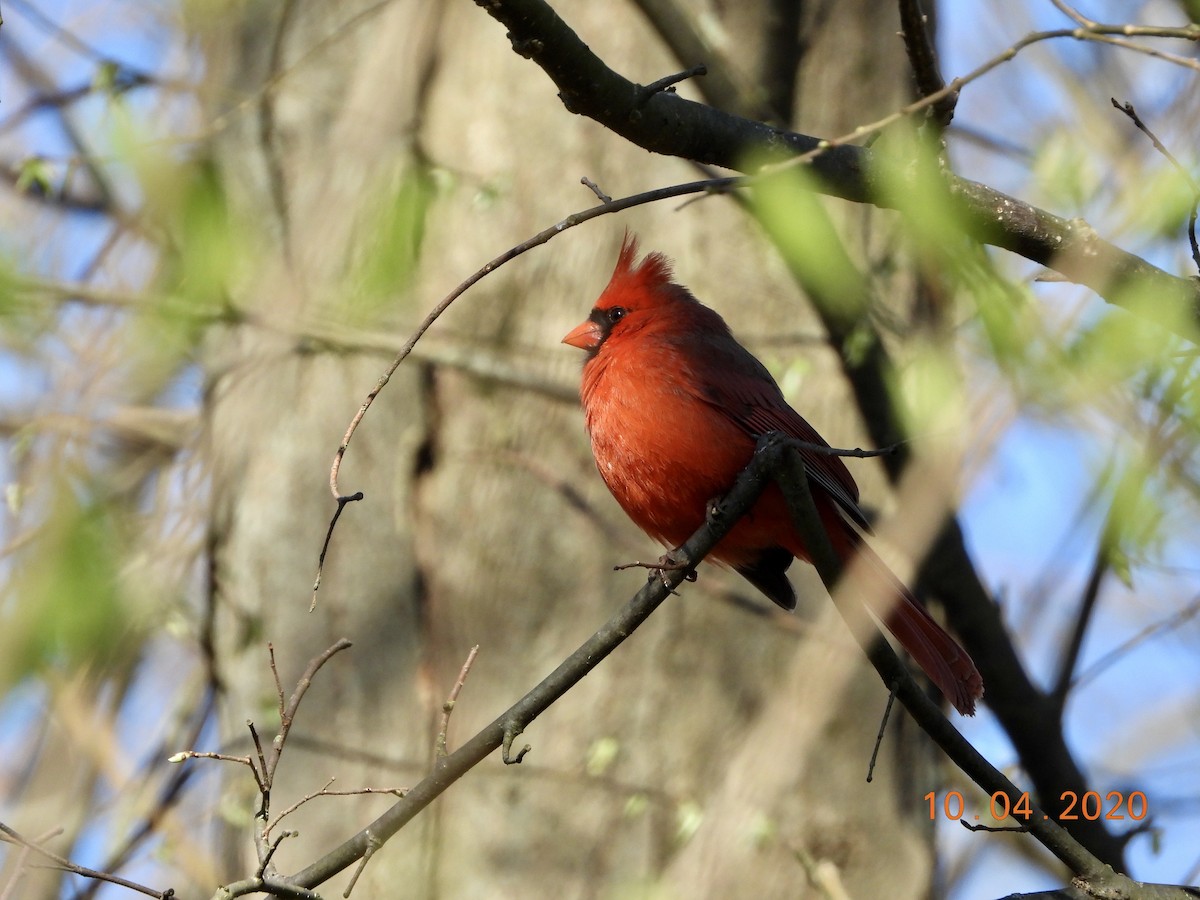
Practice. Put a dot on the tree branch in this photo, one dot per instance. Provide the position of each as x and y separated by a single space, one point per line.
8 835
794 482
514 720
923 57
774 458
669 124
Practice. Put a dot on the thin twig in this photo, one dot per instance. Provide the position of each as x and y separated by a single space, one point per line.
1070 657
1129 111
279 701
341 501
264 771
448 706
994 829
274 845
887 714
289 714
1074 15
595 189
372 845
325 792
542 237
1113 656
645 92
66 865
662 565
264 783
184 755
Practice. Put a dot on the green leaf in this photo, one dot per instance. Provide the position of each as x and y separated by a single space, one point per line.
35 176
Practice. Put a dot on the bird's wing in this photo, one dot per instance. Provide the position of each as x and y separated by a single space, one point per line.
747 393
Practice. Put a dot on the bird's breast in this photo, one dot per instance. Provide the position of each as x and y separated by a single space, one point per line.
663 450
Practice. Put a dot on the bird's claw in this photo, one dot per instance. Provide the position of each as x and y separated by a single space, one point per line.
673 561
714 511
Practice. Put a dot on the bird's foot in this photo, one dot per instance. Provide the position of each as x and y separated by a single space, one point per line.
714 510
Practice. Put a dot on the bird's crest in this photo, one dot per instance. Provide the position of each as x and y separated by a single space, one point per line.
643 278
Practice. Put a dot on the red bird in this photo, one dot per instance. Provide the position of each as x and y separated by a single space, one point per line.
675 406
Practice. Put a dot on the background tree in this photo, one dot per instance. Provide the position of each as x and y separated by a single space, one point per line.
344 168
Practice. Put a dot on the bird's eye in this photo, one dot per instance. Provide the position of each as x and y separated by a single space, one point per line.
616 314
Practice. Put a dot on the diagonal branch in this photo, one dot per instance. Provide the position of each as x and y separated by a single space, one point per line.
774 458
8 835
927 714
502 731
669 124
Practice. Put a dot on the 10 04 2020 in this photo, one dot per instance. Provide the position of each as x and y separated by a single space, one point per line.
1090 805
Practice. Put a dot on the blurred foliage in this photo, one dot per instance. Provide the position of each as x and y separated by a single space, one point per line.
1067 173
37 175
206 249
800 227
1134 519
393 228
66 609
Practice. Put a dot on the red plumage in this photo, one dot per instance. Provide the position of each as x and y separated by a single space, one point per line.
674 407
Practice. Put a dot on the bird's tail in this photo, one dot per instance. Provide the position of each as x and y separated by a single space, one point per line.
936 652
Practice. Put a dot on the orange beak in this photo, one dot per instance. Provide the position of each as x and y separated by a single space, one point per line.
585 336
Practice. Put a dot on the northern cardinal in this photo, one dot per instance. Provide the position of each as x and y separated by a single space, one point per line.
674 406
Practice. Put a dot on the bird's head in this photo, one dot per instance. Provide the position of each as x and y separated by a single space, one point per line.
640 296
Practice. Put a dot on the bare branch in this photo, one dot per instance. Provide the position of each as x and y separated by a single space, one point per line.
1070 658
508 724
723 85
883 720
774 458
1128 109
706 135
325 792
542 237
184 755
293 704
927 715
923 58
595 189
60 862
668 82
1175 620
448 706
